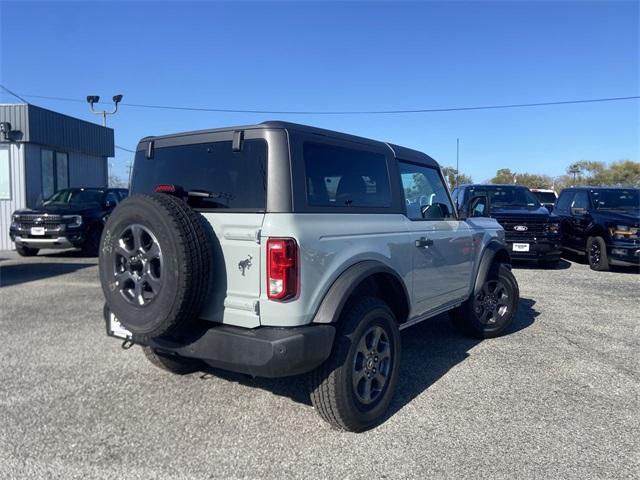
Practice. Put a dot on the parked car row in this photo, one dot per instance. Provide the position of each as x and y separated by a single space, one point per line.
280 249
599 222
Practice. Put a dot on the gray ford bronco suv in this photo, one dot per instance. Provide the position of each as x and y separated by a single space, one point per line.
280 249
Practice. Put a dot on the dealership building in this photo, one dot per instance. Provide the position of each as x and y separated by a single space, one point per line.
41 152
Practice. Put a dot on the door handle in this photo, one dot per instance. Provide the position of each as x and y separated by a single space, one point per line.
424 242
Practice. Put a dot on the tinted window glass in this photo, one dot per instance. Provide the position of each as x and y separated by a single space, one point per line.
345 177
545 197
580 201
76 196
616 199
502 196
563 203
234 180
425 194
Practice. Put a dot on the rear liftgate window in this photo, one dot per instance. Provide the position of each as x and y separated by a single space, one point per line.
233 180
344 177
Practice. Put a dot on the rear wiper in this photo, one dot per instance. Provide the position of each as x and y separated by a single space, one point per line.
212 197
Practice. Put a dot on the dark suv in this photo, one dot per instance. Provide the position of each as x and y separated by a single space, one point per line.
603 223
71 218
531 231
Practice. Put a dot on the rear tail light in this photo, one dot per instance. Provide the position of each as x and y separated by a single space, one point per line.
282 268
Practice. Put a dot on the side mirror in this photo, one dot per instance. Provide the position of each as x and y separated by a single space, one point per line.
578 211
436 211
478 206
109 204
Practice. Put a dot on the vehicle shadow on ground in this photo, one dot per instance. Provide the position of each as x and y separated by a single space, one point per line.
18 273
582 260
524 265
429 350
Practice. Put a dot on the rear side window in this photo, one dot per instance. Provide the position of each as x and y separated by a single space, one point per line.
344 177
233 180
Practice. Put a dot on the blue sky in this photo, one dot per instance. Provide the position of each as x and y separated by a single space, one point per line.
347 56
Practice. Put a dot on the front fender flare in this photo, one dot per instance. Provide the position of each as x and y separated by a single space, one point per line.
491 251
335 299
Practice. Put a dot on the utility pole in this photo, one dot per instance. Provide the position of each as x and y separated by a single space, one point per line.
92 99
457 160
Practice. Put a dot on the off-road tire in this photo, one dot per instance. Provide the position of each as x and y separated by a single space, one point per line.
599 262
185 245
26 251
172 363
469 320
331 385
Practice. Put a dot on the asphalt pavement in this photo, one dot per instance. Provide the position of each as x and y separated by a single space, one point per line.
558 397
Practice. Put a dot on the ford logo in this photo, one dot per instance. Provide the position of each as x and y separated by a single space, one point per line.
38 220
521 228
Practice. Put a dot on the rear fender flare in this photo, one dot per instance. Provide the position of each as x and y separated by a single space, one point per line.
338 294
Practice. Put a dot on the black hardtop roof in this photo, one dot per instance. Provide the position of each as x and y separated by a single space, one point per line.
403 153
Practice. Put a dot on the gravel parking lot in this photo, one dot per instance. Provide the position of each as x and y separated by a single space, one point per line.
559 397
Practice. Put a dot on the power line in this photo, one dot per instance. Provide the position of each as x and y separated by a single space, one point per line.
125 149
14 94
355 112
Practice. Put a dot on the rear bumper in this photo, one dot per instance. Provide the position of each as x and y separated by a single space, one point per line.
260 352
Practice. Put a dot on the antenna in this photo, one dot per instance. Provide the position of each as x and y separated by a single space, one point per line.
457 159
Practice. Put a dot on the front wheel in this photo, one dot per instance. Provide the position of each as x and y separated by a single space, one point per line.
597 254
353 388
489 312
26 251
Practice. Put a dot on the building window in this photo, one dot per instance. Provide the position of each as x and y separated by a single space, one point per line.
5 174
55 172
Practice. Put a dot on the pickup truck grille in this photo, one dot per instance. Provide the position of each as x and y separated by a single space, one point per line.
533 227
34 220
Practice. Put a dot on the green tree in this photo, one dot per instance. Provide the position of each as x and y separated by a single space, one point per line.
504 175
450 175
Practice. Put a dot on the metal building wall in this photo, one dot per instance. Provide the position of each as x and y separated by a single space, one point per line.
18 196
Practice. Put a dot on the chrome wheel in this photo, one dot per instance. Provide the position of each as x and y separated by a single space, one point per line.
137 265
491 304
372 364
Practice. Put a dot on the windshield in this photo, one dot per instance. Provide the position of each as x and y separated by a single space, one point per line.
545 197
616 199
75 196
502 196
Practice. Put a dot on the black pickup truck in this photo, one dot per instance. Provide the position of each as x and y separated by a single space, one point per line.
71 218
530 230
603 223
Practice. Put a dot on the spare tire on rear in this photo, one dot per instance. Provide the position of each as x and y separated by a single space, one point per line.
155 267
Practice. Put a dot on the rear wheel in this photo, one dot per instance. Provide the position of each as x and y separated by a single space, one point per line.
172 363
597 254
26 251
489 312
353 388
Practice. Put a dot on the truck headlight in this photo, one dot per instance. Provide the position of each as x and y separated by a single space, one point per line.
14 220
623 232
75 220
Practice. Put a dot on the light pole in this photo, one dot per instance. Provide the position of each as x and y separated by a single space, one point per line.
92 99
457 160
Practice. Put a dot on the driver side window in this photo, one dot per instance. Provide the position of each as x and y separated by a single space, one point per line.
425 194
